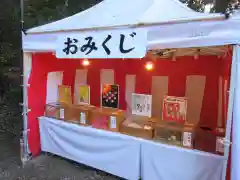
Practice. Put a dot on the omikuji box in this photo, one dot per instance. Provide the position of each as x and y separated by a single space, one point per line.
209 140
175 134
170 134
138 126
107 118
80 114
56 110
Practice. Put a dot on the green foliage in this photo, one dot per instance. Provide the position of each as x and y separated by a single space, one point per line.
13 97
9 32
38 12
221 5
7 53
197 5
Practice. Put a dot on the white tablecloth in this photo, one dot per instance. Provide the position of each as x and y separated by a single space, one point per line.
164 162
127 156
110 152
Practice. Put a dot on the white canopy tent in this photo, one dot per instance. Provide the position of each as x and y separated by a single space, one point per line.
114 13
166 22
170 24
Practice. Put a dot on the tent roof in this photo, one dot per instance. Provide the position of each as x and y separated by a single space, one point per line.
192 34
115 13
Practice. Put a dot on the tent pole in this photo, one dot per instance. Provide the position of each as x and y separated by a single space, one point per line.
235 125
25 153
227 139
22 14
26 70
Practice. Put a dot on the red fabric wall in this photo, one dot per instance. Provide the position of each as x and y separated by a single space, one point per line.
42 64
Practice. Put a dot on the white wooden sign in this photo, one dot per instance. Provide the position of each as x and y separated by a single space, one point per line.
187 139
142 104
113 122
82 118
121 43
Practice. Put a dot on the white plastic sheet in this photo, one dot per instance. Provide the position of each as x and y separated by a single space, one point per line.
110 152
163 162
126 156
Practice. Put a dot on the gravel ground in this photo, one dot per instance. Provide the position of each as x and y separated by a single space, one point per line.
9 155
47 167
44 167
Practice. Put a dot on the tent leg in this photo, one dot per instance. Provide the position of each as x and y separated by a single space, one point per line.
230 111
235 175
25 156
25 152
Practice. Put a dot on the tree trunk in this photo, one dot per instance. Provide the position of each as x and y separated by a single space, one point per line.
221 5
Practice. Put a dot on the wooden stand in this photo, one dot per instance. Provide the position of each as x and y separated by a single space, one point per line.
175 134
138 126
56 110
209 141
80 114
107 118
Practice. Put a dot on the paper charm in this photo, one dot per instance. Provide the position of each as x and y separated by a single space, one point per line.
84 94
64 94
142 104
174 109
110 95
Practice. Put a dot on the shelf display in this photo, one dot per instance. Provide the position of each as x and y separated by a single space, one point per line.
138 126
56 110
107 118
64 94
84 94
142 104
80 114
110 95
174 109
175 134
171 128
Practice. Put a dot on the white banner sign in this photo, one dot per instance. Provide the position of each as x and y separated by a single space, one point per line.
130 43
